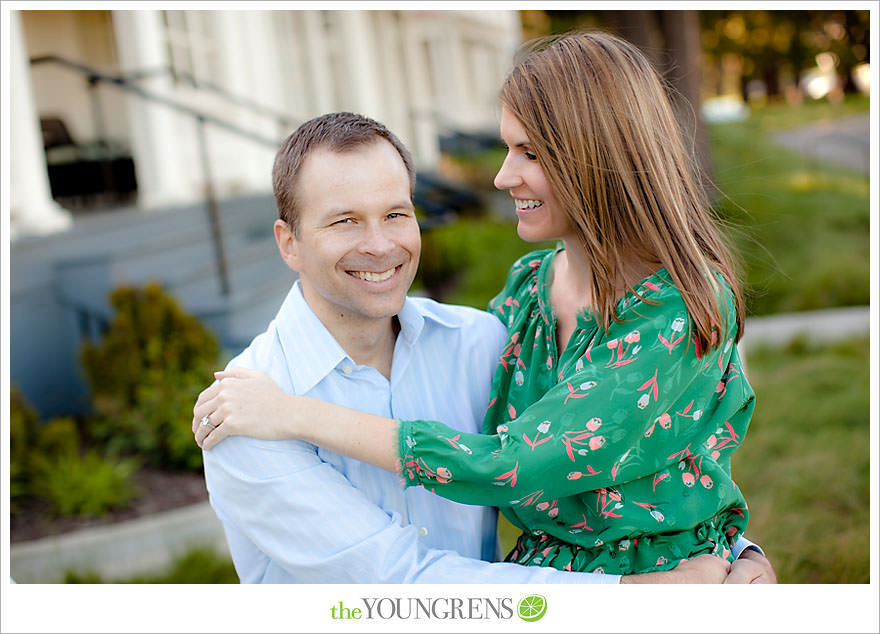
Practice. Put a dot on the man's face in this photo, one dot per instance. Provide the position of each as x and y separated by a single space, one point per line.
359 243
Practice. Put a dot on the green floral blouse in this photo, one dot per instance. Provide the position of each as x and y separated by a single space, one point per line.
612 456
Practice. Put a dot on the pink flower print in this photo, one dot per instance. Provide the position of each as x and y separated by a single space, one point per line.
502 429
574 475
706 481
508 477
688 478
665 420
711 441
594 423
658 478
543 506
661 561
651 386
657 515
511 411
596 442
612 344
553 512
716 454
549 363
614 494
632 337
444 475
731 531
573 392
643 401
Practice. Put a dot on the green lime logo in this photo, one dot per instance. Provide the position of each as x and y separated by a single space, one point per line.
532 608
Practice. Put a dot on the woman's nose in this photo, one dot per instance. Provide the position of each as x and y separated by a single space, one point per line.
506 177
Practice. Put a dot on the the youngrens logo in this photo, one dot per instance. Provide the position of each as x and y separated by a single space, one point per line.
530 608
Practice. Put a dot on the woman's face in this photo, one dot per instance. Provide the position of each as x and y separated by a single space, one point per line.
540 215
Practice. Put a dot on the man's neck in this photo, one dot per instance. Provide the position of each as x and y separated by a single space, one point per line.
367 341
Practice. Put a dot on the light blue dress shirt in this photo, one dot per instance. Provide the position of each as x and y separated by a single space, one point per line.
294 513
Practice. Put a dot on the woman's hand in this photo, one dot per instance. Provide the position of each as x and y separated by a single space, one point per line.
242 403
699 569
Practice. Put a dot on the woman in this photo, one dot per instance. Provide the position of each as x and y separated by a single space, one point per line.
619 396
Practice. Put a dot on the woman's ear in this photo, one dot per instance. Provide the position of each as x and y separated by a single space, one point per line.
287 244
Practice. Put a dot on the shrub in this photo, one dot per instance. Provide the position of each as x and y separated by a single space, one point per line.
23 424
145 375
59 436
86 484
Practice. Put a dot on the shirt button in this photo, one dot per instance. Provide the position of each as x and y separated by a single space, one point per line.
422 531
347 369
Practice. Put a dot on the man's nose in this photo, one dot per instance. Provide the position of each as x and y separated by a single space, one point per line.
377 241
506 177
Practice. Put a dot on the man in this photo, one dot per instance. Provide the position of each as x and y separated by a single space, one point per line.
347 333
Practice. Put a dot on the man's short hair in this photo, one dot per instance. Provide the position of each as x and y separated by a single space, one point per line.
337 132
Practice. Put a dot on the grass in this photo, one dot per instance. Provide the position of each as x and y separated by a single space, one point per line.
804 465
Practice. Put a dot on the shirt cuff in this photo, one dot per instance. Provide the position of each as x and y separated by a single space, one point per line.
742 545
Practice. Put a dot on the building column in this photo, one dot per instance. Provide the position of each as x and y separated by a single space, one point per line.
162 176
32 210
359 58
423 113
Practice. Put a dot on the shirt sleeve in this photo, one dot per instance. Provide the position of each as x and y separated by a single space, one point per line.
624 415
307 518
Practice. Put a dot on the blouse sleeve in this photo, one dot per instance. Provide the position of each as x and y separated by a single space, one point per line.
633 408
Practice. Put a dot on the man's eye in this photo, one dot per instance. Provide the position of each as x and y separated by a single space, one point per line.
343 221
397 214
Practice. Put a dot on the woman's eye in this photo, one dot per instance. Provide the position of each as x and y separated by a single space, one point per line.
531 156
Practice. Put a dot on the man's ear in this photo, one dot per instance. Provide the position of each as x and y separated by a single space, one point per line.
287 244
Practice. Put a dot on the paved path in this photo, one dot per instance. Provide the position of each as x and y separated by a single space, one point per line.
844 141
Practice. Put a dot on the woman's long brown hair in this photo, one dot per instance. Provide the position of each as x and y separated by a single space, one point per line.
599 118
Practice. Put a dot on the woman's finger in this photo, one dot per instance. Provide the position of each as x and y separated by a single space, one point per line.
214 436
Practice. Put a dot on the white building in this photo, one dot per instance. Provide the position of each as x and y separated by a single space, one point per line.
419 72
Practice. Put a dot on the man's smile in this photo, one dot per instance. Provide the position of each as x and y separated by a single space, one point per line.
370 276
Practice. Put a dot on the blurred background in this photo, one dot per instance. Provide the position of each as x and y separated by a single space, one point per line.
142 255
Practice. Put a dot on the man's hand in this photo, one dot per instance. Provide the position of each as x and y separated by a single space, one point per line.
751 567
700 569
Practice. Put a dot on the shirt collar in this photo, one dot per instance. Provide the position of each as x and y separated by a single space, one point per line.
312 352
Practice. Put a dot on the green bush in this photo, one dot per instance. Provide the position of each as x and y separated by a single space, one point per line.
86 484
145 375
59 436
23 426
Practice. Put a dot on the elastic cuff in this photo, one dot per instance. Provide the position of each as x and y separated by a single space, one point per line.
407 467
